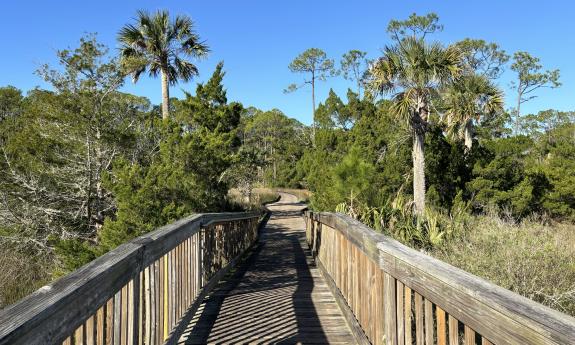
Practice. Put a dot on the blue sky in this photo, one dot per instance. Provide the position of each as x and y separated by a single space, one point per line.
257 40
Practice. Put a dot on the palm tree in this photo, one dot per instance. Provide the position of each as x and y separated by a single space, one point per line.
467 100
413 71
160 45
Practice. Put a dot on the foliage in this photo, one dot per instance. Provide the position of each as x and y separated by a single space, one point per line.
259 197
505 180
416 70
530 78
482 58
10 102
315 62
56 151
467 101
279 140
531 258
186 175
22 273
334 113
85 167
414 26
354 66
318 67
161 45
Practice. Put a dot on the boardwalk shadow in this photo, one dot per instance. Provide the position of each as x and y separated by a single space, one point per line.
268 299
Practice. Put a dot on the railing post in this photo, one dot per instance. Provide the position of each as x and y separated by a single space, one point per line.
136 317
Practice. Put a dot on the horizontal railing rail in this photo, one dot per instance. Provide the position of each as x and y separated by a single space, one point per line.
397 295
138 293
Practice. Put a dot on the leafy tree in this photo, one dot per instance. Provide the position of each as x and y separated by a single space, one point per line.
447 168
187 175
280 140
352 176
417 70
482 58
353 66
10 102
315 63
244 173
160 45
334 113
467 100
544 124
414 26
558 166
530 78
58 148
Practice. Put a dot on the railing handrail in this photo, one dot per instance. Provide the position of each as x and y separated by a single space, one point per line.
58 309
497 313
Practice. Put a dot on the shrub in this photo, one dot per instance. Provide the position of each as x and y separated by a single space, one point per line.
529 258
21 274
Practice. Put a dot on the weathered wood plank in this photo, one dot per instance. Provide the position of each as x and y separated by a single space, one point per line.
484 341
469 336
117 337
90 331
109 328
390 310
400 313
278 298
419 324
501 315
79 336
407 316
352 322
441 326
453 331
100 326
429 331
52 313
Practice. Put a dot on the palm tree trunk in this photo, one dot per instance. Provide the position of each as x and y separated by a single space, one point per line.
418 171
165 96
468 135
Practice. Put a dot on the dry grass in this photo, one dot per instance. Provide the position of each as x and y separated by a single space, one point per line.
302 195
259 197
262 196
20 275
534 259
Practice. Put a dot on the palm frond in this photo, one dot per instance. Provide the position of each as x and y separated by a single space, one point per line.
184 69
403 105
161 44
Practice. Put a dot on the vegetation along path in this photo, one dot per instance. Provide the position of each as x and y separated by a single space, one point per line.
276 296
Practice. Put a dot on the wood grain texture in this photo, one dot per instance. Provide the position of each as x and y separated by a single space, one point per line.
277 296
441 326
484 341
469 336
453 331
408 316
140 292
498 314
53 313
419 320
429 329
390 310
400 313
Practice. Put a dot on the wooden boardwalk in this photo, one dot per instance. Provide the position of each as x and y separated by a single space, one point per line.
277 296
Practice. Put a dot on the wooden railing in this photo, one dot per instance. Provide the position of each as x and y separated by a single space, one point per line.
140 293
392 294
